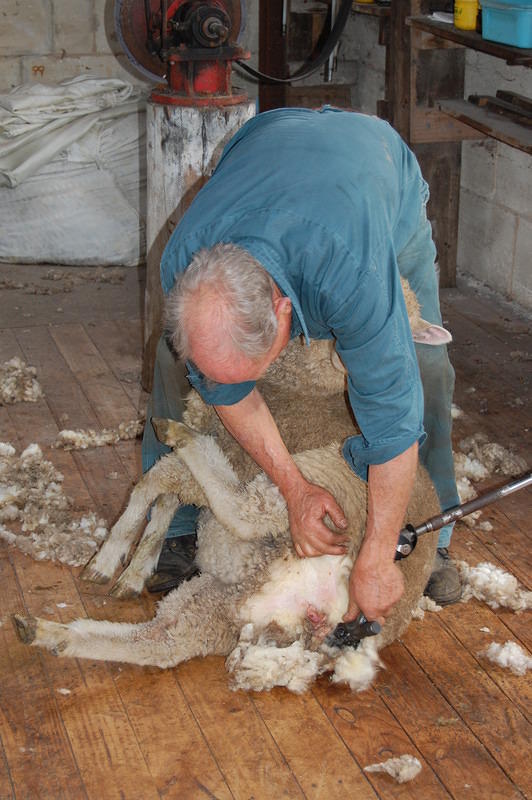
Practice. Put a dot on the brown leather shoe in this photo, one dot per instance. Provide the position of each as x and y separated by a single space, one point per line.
444 585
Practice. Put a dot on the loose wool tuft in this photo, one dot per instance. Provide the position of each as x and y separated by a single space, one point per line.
357 667
262 665
18 383
402 769
510 656
47 524
82 439
493 585
492 457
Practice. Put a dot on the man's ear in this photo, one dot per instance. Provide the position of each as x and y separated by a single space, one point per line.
282 306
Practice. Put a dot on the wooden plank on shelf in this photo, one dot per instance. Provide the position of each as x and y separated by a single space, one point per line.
504 108
429 125
489 123
517 100
473 40
372 9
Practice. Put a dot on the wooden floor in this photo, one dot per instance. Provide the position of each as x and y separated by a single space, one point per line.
83 729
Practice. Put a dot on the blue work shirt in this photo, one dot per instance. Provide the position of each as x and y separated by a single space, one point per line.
325 201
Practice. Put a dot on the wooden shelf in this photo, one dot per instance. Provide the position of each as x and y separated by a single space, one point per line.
371 9
516 56
489 123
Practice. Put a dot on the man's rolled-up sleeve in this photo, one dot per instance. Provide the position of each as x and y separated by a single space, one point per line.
384 385
217 394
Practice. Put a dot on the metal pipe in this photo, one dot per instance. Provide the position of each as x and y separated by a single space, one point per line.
434 523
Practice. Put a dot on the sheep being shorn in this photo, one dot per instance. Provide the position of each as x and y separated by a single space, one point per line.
254 597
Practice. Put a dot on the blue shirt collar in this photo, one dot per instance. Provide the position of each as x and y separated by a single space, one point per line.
269 259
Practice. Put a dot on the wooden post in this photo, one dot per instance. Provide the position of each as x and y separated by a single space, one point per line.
418 78
184 145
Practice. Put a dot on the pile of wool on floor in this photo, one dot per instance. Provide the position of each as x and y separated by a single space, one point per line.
476 460
47 526
493 585
18 383
82 439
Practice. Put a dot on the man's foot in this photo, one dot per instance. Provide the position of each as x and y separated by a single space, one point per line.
444 585
175 565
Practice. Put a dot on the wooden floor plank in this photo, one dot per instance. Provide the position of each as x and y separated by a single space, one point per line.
183 733
68 401
32 729
493 718
475 625
106 395
172 744
473 553
9 346
298 727
120 345
455 754
103 742
230 725
373 735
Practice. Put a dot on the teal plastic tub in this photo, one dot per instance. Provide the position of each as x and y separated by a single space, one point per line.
507 22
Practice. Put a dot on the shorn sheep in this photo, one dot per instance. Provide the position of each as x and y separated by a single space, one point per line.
254 601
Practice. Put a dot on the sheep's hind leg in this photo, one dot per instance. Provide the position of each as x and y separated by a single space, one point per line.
144 561
115 549
194 620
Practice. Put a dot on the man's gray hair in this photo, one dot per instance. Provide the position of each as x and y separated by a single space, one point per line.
244 312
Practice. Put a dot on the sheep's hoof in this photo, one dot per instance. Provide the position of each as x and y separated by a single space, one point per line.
26 628
93 574
172 433
124 590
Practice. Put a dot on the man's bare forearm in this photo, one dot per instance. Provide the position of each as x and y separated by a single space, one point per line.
389 489
376 583
252 425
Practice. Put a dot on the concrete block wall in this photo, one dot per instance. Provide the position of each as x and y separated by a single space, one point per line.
52 40
495 230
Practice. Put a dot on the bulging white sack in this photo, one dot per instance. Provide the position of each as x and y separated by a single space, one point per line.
73 173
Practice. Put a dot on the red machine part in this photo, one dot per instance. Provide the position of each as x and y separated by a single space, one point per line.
191 43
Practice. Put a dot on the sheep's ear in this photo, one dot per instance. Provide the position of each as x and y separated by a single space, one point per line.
171 432
426 333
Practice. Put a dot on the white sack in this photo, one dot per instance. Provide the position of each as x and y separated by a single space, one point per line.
72 173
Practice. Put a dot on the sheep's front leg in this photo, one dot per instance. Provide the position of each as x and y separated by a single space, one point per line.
247 511
144 561
194 620
115 549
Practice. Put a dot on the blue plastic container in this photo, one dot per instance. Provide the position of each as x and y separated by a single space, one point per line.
507 21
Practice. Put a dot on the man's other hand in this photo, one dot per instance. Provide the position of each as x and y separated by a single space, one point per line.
374 588
307 506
